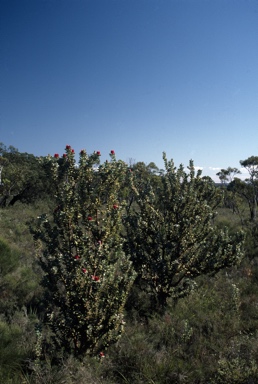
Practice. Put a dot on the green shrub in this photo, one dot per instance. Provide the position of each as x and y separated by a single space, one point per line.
87 276
171 237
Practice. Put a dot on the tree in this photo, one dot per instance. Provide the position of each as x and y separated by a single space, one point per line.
22 177
86 274
171 236
227 175
251 164
152 167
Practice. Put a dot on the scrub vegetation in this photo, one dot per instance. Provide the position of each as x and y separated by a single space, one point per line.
114 274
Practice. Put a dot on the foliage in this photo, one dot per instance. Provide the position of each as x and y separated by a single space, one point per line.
228 174
22 177
208 336
171 236
251 164
246 191
188 342
86 274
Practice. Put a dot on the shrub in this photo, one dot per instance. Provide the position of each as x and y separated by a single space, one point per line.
87 276
171 237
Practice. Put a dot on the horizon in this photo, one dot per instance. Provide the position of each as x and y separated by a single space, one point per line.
243 175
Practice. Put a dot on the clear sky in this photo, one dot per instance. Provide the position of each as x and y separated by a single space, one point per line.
137 76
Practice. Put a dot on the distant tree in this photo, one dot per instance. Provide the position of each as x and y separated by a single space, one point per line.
22 177
171 237
227 175
141 168
251 164
145 172
223 176
152 167
4 149
244 190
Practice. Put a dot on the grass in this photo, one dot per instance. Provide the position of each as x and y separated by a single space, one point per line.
210 336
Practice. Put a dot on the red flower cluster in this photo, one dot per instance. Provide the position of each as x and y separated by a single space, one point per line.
89 218
112 152
115 206
56 156
95 278
64 155
84 270
76 257
68 147
98 153
101 354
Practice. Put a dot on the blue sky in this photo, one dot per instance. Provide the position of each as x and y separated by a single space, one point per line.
137 76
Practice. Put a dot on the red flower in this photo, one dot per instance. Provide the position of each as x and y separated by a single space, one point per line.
115 206
72 150
56 156
89 218
84 270
95 278
64 155
82 151
98 153
112 152
77 257
101 354
68 147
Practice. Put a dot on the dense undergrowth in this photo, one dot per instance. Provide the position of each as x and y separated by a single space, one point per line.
209 336
126 276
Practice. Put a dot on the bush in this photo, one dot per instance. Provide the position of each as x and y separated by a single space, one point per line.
87 276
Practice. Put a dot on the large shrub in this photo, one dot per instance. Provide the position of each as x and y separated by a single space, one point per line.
171 235
86 273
